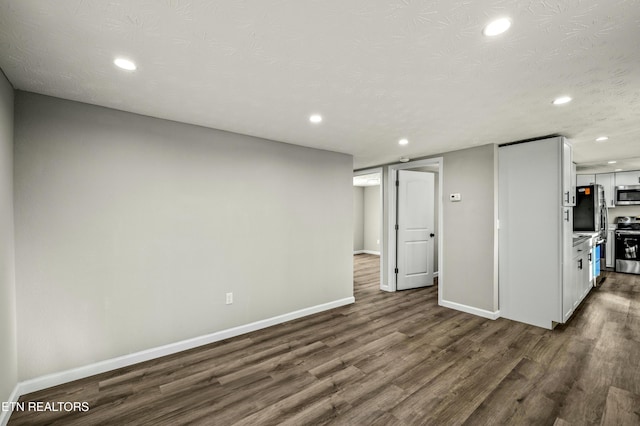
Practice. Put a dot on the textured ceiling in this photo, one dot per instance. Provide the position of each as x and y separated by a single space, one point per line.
377 70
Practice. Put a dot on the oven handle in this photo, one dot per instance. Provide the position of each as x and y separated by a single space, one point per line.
622 232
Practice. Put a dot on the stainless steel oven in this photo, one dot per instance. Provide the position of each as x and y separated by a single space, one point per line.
627 249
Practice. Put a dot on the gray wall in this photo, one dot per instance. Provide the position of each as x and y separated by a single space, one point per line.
8 350
130 230
358 218
470 258
470 239
372 209
623 211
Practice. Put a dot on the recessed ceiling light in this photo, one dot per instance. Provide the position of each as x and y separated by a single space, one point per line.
612 162
315 118
602 139
496 27
403 142
125 64
617 170
562 100
404 159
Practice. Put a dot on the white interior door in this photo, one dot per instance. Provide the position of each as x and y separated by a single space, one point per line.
415 229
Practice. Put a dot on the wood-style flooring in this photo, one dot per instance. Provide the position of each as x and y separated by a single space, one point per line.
389 359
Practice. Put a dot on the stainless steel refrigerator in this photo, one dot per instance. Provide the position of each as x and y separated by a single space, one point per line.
590 213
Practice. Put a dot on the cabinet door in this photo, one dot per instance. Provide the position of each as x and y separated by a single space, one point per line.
609 247
569 262
568 181
587 273
574 182
583 180
570 288
607 180
577 289
627 178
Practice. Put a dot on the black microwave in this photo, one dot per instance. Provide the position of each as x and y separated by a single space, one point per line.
627 195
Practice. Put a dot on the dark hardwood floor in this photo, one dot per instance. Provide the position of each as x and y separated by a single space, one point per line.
390 358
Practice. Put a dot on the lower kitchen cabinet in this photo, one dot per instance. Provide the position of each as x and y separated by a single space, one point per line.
609 248
575 289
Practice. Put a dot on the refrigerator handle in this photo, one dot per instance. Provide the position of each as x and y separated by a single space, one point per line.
606 220
566 214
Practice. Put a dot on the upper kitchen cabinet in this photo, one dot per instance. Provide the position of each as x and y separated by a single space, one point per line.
627 178
607 180
574 180
584 180
568 175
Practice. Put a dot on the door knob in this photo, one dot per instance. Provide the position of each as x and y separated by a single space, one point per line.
432 235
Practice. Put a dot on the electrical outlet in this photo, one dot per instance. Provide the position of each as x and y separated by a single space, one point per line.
229 298
377 241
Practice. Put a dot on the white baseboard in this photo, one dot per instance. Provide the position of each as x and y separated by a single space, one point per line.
385 287
470 309
4 415
377 253
358 252
435 274
55 379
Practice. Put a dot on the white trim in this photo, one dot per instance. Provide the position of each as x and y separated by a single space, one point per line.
4 415
379 170
470 309
435 274
385 287
55 379
377 253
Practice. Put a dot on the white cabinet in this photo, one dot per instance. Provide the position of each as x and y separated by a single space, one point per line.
627 178
578 286
569 291
536 230
609 249
568 175
586 279
583 180
608 181
574 177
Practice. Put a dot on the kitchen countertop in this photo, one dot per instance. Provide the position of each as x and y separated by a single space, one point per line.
579 239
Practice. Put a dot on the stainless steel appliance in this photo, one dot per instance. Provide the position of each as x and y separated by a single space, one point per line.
590 213
627 195
627 250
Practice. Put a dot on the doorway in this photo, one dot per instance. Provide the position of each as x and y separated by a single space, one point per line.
368 218
412 258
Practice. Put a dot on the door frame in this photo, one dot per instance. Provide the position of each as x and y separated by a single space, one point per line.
380 172
392 172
